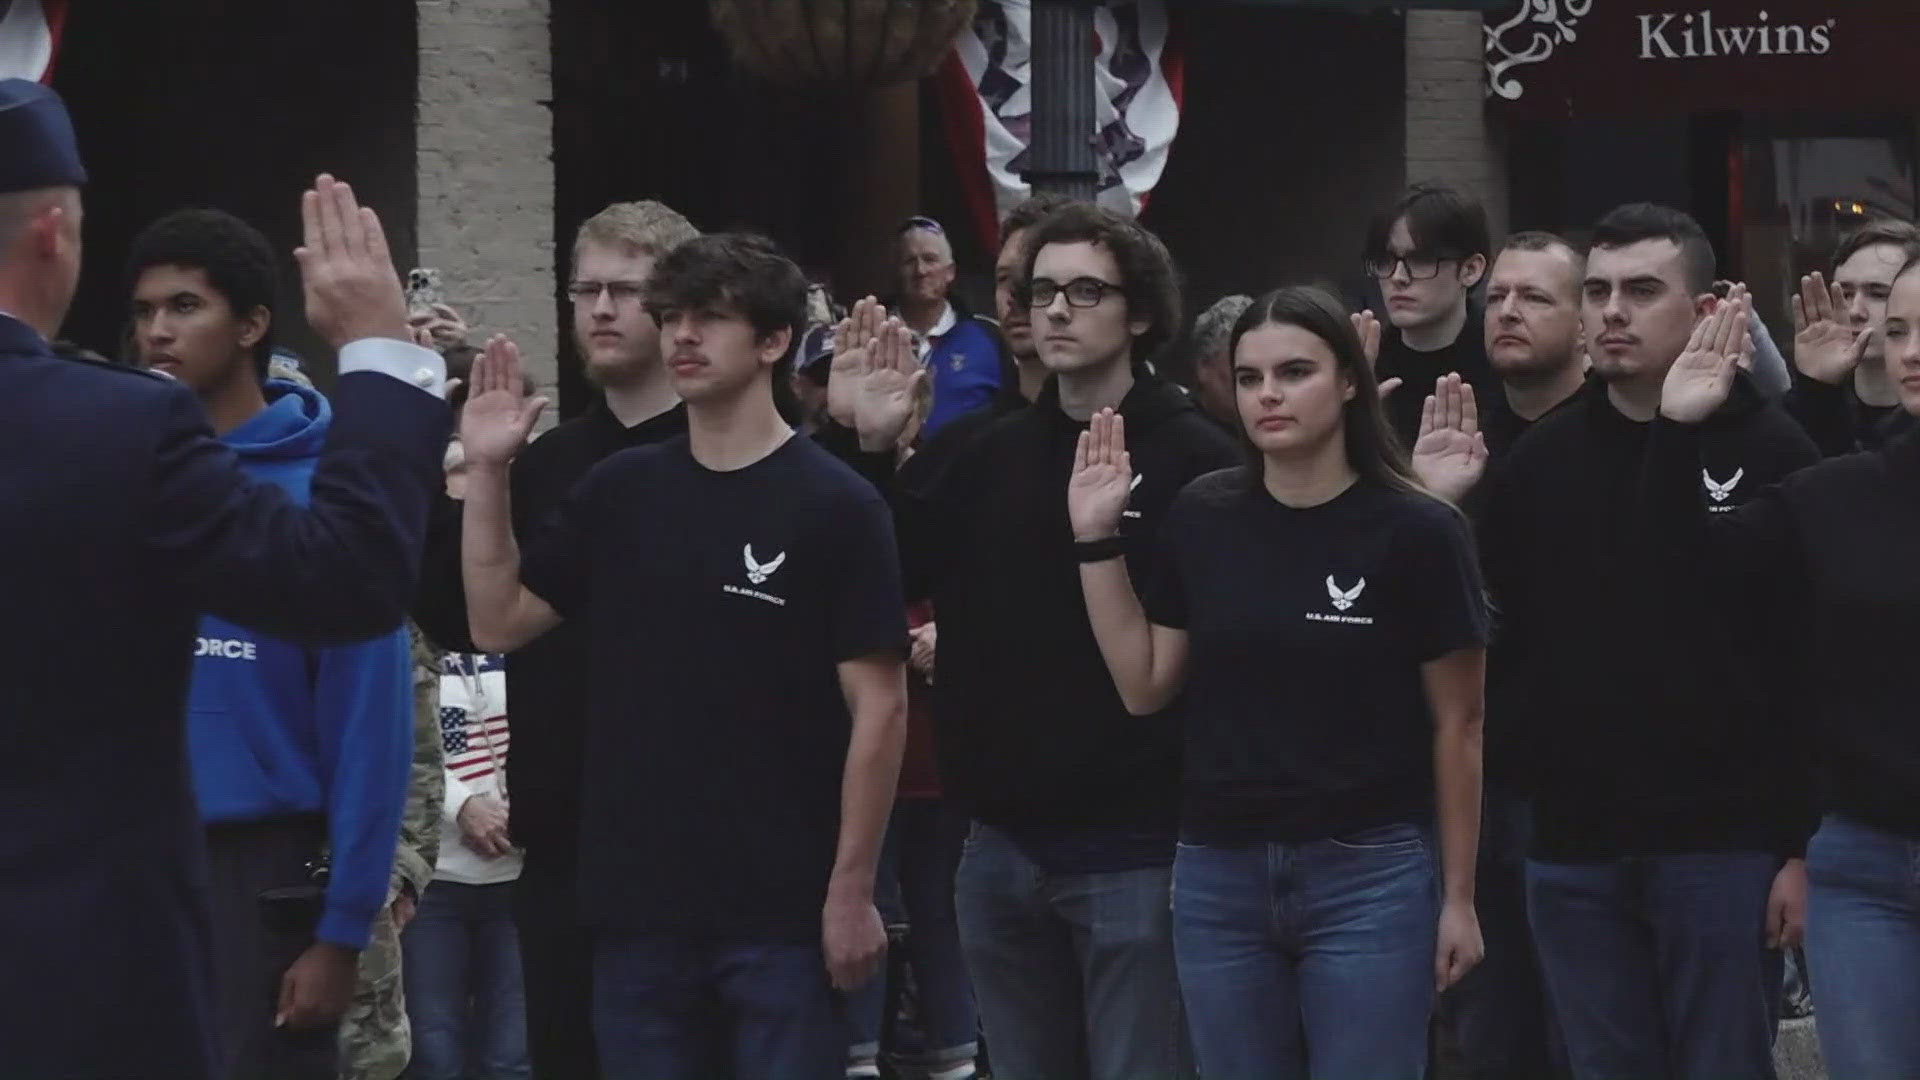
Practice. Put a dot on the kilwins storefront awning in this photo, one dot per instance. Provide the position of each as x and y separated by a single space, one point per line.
1563 58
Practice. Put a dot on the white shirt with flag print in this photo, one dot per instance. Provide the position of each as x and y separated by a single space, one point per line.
475 737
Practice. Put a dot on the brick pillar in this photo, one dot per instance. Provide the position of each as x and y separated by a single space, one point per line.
486 169
1448 135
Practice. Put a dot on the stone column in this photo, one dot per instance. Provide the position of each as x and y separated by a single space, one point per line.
1448 135
485 134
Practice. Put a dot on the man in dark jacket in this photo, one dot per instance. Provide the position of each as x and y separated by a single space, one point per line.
122 518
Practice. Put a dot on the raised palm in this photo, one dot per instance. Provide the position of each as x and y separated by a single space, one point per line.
1824 346
886 386
852 338
498 415
1102 478
1450 455
1699 381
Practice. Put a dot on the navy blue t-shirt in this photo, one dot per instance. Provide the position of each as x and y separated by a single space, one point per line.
1305 713
717 606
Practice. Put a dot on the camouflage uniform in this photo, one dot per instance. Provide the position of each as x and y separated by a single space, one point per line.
375 1038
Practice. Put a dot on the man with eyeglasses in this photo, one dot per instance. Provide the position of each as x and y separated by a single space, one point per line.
1426 253
1062 889
961 351
619 344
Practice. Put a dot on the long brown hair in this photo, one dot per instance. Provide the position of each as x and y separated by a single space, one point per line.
1373 450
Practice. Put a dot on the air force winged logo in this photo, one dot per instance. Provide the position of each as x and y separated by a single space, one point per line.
1343 598
758 572
1720 492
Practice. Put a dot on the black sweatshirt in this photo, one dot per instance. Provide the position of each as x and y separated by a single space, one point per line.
1652 719
1838 420
547 678
1467 356
1502 753
1847 532
1032 736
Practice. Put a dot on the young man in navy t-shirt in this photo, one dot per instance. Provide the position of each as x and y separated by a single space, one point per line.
741 595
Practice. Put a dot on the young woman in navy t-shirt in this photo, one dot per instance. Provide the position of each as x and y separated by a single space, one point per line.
1321 619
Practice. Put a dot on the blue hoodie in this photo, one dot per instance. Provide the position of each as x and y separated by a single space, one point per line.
275 729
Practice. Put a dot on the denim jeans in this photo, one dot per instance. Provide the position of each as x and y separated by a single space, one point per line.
461 968
673 1007
1657 965
1863 949
1073 973
1308 959
1497 1015
915 885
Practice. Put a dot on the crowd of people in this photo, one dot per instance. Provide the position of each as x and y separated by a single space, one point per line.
1508 684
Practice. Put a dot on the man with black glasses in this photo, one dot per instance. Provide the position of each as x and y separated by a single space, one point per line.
619 345
1427 253
1062 892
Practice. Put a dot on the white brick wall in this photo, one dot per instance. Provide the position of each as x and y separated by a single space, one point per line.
486 169
1448 137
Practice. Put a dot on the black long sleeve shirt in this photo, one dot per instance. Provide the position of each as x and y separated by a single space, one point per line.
1652 719
1846 533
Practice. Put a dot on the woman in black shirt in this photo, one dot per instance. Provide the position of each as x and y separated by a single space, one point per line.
1843 535
1323 616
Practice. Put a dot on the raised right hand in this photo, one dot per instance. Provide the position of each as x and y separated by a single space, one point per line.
1450 455
887 388
1367 325
1102 478
1700 380
498 415
1825 348
352 289
851 337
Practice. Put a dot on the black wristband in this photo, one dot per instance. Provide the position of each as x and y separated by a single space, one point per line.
1092 551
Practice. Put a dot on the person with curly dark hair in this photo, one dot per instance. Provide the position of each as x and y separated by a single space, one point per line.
293 749
204 284
1062 888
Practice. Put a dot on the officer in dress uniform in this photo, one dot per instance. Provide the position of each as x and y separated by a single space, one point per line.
122 519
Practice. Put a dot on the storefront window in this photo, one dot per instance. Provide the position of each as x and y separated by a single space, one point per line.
1798 186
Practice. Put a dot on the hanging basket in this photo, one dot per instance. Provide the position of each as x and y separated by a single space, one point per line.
850 44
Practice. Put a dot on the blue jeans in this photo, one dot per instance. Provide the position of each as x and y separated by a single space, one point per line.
671 1007
1657 965
1498 1013
460 963
1074 973
915 886
1863 949
1308 959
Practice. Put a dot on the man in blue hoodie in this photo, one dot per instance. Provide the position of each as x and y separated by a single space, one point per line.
300 756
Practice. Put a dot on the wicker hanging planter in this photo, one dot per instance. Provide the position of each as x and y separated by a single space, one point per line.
850 44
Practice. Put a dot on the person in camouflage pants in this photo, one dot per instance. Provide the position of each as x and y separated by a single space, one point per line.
375 1039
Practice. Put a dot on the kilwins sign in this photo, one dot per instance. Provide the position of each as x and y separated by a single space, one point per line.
1568 57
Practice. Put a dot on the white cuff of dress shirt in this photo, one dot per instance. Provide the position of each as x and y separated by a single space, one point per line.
410 363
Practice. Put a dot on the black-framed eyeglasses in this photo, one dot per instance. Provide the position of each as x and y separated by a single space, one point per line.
1081 292
1420 265
622 292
